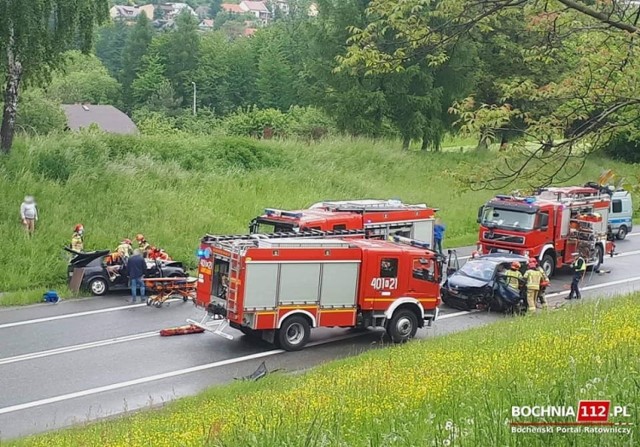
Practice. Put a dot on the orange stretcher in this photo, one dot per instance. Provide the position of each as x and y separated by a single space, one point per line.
163 289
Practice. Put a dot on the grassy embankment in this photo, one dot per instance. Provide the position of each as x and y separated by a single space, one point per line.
453 390
175 189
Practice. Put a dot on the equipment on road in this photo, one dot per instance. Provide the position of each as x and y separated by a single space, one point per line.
181 330
163 289
51 296
280 286
379 218
551 226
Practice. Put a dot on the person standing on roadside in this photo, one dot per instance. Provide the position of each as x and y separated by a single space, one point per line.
136 268
77 239
438 235
579 267
29 214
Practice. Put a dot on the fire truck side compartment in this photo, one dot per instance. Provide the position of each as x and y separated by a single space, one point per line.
261 285
331 284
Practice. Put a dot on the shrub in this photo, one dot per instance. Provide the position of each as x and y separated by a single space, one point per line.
53 165
39 115
257 123
310 123
624 147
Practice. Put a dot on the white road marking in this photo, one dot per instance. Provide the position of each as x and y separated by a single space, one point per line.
622 254
456 314
626 253
552 295
156 377
77 314
599 286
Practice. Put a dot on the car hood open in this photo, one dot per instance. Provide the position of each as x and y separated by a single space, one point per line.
81 259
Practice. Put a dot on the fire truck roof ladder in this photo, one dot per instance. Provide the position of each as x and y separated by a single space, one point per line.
252 239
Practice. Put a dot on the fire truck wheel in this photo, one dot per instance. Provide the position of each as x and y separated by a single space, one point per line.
294 333
548 265
599 255
402 326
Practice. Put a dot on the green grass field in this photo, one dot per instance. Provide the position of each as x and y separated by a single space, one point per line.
454 390
175 189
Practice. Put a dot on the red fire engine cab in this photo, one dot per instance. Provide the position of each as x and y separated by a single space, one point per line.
280 286
380 219
555 225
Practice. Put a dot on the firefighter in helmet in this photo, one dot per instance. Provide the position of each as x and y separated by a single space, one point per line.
579 267
143 245
544 283
77 239
514 277
125 249
533 277
159 254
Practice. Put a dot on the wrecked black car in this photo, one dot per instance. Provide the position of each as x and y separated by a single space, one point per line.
479 282
98 280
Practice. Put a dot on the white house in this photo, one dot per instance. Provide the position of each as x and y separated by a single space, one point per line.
258 9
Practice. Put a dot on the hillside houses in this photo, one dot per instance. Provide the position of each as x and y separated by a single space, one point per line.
163 14
257 9
164 11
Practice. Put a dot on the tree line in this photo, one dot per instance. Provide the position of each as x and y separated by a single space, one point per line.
558 74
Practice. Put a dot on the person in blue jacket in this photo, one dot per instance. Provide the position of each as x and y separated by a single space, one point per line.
438 235
136 266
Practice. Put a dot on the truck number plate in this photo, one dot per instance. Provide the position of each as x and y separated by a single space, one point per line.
384 283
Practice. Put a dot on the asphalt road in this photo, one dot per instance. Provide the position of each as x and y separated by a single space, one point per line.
86 359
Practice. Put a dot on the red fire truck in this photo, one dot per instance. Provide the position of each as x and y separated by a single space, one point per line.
280 286
380 219
554 225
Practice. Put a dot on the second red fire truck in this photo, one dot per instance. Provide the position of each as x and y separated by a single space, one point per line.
379 218
280 286
555 226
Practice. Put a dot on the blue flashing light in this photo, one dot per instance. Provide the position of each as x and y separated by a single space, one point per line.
291 214
420 244
530 200
203 253
271 212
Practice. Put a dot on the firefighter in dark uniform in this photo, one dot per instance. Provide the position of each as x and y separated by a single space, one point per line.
579 267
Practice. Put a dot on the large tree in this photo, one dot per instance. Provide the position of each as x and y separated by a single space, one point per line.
580 89
135 50
33 36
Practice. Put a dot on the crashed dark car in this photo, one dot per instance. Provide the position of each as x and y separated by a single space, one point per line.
478 282
96 278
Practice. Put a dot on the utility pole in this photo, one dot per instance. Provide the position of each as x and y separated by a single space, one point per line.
194 98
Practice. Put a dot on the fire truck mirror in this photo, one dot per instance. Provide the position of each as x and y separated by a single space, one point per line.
480 211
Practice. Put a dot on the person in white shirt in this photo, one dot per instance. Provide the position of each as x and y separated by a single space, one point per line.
29 214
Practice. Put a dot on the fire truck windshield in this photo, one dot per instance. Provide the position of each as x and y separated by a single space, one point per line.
265 226
507 218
